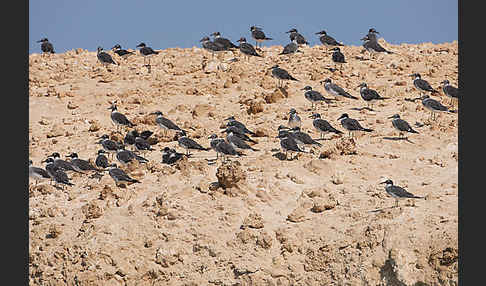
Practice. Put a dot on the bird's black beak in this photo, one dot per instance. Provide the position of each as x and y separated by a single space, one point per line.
39 41
390 117
312 116
340 117
382 183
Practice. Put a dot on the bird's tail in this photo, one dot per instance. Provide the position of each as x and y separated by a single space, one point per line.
268 38
69 184
206 149
253 149
367 130
413 131
293 78
350 96
134 181
389 52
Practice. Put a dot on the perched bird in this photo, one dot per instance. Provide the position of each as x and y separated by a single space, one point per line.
146 134
288 143
188 143
223 42
108 145
372 34
56 173
238 132
327 40
351 124
126 156
146 52
323 126
295 35
231 121
247 49
335 90
237 143
422 85
337 56
314 96
290 48
294 119
369 95
302 138
433 106
37 173
101 160
121 52
46 46
62 164
165 123
398 192
449 90
119 176
142 144
118 118
170 156
258 35
213 142
372 46
129 139
80 164
401 125
281 75
104 58
210 46
222 147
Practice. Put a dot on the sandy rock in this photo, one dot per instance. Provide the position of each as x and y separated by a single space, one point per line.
56 131
230 174
324 203
346 146
297 215
253 220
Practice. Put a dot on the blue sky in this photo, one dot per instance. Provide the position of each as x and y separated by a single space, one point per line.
164 24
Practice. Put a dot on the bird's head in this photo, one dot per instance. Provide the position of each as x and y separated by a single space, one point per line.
343 116
315 115
445 82
293 30
101 151
327 80
213 136
232 117
205 39
336 49
141 45
394 116
72 155
372 30
216 34
415 75
55 155
116 47
254 28
306 88
48 160
42 40
388 182
242 40
292 111
321 33
274 67
363 84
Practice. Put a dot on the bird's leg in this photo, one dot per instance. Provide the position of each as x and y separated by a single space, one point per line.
396 200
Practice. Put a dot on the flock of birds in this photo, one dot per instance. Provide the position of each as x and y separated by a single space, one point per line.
238 137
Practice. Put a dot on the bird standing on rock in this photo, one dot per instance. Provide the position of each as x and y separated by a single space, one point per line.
323 126
281 75
258 35
351 124
247 49
401 125
46 46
